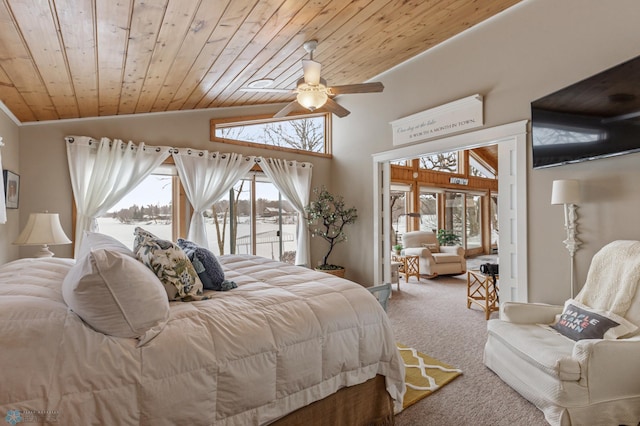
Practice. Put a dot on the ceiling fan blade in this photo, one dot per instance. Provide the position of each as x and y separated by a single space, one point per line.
288 109
337 109
264 90
311 71
357 88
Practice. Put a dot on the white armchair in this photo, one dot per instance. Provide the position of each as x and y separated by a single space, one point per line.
434 259
593 381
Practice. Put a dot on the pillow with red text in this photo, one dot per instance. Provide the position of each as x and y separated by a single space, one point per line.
579 321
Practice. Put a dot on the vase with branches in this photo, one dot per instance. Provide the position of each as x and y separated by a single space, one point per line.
327 217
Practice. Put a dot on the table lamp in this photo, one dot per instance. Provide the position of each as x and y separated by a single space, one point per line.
43 229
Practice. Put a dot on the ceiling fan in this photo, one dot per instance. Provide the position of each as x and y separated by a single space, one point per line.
312 90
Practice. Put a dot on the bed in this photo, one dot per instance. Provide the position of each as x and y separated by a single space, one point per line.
286 346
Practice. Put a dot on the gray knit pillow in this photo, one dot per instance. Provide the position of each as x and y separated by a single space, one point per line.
207 266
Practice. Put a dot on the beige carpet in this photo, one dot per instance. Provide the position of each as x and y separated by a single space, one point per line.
432 316
423 375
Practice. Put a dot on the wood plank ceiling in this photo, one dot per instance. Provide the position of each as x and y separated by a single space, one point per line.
64 59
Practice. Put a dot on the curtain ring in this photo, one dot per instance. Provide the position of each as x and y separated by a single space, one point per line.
158 149
200 154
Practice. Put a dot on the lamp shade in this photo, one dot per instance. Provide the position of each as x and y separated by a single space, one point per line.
565 191
42 229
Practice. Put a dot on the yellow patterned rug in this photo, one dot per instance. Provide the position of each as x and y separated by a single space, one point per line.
423 375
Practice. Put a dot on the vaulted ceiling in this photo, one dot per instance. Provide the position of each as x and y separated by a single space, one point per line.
84 58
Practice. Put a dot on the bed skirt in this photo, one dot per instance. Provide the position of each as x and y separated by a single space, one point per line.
367 404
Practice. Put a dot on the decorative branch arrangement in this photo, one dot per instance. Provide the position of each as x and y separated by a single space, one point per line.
327 217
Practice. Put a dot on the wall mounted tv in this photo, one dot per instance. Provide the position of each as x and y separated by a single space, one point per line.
594 118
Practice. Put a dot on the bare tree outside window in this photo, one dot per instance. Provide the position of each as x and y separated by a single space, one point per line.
442 162
306 135
299 134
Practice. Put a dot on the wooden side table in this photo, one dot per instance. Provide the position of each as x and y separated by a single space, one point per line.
409 266
482 291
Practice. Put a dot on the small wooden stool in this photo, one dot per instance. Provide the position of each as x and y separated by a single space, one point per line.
409 266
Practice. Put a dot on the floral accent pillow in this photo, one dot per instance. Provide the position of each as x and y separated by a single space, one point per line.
171 264
139 236
207 266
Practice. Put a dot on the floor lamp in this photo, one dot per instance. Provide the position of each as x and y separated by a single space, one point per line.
567 192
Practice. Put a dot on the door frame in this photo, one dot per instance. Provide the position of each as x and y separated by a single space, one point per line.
511 139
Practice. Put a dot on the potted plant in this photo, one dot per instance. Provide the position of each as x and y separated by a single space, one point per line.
397 248
447 238
327 217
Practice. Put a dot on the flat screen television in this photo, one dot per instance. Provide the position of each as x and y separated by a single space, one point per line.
594 118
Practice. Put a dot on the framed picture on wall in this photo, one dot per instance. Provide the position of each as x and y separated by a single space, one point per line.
11 189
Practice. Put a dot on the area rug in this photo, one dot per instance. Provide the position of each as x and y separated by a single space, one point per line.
423 375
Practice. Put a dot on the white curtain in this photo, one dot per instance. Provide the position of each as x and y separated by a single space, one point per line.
3 204
206 177
103 172
293 179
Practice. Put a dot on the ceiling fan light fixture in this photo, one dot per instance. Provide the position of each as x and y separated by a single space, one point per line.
312 97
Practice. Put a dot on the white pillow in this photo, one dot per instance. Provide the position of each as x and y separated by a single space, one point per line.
117 295
96 240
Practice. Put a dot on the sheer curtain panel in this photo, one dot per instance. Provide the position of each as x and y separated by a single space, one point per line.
206 177
293 180
102 172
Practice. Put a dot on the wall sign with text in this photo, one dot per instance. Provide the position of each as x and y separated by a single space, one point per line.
454 117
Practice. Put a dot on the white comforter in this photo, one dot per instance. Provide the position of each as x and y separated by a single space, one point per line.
287 336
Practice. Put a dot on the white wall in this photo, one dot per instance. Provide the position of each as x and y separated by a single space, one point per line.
10 152
530 50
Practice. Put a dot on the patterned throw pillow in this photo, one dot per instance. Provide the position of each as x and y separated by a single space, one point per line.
139 236
206 265
171 264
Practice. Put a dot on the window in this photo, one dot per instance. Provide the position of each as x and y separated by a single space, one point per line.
257 220
308 133
253 218
149 205
398 205
442 162
479 168
401 163
428 211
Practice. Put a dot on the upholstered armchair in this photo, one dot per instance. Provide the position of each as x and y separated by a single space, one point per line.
434 259
579 364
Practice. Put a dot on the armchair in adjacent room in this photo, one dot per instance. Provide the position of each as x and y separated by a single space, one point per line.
434 259
579 364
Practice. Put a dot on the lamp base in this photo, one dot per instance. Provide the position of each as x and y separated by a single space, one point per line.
44 252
